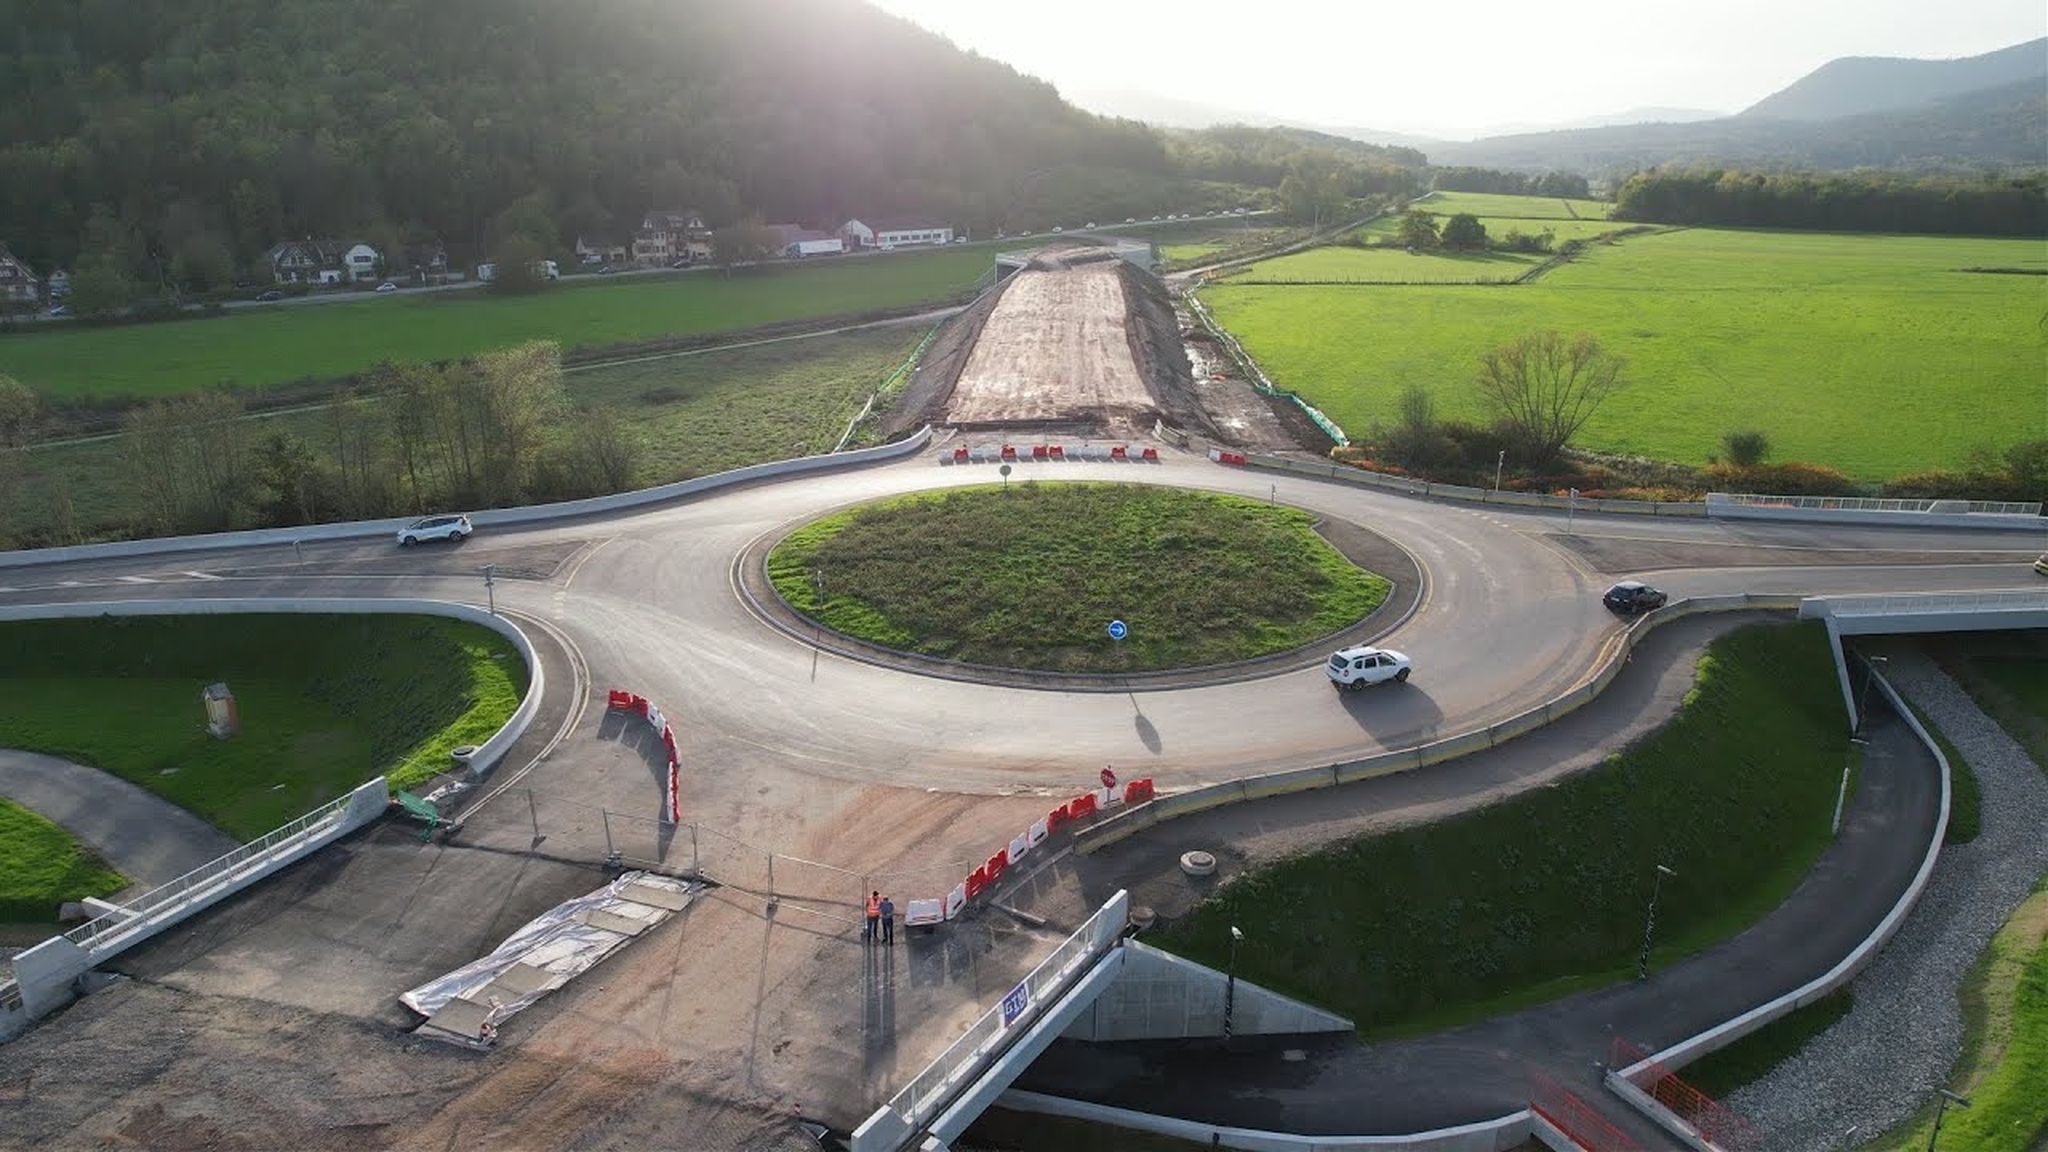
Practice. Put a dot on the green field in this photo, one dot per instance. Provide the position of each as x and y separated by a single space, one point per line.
1387 227
327 702
1484 204
1014 577
688 415
1387 266
1874 354
1543 895
42 866
264 347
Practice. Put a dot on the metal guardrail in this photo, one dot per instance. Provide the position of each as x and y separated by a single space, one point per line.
928 1093
1867 504
94 933
1906 603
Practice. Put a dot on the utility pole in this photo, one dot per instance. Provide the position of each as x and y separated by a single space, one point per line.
1650 924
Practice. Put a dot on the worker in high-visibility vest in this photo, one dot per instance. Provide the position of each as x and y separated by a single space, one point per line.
874 916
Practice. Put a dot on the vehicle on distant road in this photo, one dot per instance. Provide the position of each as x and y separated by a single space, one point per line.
456 528
1353 669
270 297
387 286
606 270
2041 566
1633 597
60 312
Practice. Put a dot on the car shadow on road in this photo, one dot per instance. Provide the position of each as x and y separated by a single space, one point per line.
1395 713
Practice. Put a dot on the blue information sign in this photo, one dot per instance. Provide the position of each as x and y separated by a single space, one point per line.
1117 630
1016 1002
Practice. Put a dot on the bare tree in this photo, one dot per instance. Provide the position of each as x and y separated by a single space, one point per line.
359 443
605 455
18 408
1543 388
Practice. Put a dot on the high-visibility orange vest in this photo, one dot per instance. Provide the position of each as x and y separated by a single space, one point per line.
874 908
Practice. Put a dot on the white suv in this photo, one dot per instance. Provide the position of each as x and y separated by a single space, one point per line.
1351 669
435 528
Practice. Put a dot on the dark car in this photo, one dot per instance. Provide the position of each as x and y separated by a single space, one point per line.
270 297
1633 597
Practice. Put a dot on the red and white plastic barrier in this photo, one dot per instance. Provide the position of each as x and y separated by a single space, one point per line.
1222 457
984 878
622 701
1046 453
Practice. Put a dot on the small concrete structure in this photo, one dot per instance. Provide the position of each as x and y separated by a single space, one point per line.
1160 996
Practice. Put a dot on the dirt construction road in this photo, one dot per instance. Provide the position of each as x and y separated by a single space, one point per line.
1056 348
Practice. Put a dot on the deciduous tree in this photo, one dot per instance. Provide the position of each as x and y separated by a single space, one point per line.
1418 229
1544 387
1464 233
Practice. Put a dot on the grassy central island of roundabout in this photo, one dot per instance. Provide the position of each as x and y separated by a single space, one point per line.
1030 577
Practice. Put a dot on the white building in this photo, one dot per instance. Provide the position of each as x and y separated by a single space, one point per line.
894 233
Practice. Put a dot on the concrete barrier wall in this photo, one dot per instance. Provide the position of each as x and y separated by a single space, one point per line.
1160 996
1500 1135
567 509
1345 474
1995 520
1608 666
488 753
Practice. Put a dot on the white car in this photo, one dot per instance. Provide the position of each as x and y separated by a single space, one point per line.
435 528
387 286
1352 669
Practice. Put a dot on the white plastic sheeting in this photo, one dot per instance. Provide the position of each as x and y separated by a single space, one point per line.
551 949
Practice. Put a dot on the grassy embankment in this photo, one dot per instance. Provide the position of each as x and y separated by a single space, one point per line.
1015 578
42 866
327 702
259 348
1792 333
2007 674
688 415
1543 895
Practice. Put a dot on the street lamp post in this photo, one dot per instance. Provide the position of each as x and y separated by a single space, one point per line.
1942 1099
1870 664
1230 981
1497 466
1842 797
491 586
1571 508
1650 923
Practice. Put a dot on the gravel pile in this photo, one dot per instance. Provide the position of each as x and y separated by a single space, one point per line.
1869 1071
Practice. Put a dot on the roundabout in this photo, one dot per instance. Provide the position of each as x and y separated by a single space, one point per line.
1081 586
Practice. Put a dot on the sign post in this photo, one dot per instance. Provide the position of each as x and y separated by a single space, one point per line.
1004 472
491 586
1118 630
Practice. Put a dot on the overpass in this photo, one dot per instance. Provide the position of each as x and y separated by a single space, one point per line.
1987 611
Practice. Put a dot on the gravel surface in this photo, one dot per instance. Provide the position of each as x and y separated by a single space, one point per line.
1870 1070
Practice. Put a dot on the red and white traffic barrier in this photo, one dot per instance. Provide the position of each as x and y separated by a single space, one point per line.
1222 457
1110 795
622 701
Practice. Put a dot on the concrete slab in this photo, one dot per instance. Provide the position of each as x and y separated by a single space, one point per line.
461 1017
657 896
521 979
613 922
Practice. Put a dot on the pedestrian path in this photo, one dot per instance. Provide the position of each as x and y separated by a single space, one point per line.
142 836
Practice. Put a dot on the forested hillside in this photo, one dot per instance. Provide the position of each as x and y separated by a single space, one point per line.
202 131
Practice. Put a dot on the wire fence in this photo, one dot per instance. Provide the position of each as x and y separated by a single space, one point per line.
694 850
1719 1125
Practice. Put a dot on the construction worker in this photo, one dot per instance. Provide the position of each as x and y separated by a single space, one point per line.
874 916
888 921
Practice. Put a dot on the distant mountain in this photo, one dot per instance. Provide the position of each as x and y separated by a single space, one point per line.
2004 125
1172 112
1648 115
1857 85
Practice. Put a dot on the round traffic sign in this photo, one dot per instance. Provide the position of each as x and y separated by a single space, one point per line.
1003 471
1118 630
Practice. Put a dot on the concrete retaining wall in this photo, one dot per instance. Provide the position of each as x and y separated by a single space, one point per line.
568 509
487 754
1607 667
2007 521
1500 1135
1345 474
1160 996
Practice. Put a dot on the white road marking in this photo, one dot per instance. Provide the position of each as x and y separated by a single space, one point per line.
200 575
135 579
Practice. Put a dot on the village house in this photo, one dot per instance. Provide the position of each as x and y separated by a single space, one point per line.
894 233
312 261
666 239
592 251
19 287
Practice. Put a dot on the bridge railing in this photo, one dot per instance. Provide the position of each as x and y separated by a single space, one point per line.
1904 603
920 1102
98 933
1869 504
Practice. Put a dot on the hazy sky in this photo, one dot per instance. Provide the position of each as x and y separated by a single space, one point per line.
1458 68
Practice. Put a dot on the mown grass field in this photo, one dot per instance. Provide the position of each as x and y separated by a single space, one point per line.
1484 204
1386 266
1543 895
1389 226
689 416
1015 577
1877 355
264 347
42 866
327 702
